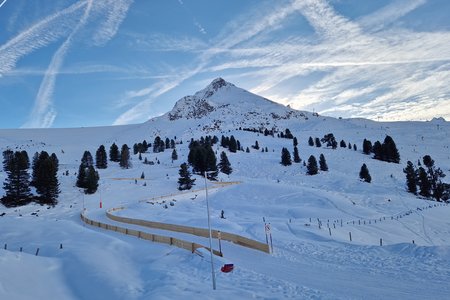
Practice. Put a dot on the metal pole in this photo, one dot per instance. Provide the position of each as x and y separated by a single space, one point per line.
220 246
210 236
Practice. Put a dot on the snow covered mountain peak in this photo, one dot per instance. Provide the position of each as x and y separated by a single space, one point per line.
214 86
222 103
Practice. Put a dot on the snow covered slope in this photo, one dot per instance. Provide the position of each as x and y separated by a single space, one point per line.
308 262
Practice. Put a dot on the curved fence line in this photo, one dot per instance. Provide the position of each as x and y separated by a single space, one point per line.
190 246
234 238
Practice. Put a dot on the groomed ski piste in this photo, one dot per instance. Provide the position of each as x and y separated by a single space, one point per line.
79 261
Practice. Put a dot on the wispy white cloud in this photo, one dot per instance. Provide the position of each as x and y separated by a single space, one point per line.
200 27
43 113
365 65
233 35
113 12
39 35
389 14
2 3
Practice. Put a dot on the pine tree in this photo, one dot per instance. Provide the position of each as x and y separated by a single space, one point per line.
167 143
364 174
343 144
81 177
318 143
8 157
232 145
311 141
424 183
247 150
323 163
256 146
87 159
286 157
101 160
144 146
224 164
211 163
312 168
114 154
295 142
411 182
157 144
17 182
174 154
223 142
33 168
390 152
46 182
142 175
184 181
125 162
202 159
296 155
330 140
367 147
377 150
434 177
91 182
288 134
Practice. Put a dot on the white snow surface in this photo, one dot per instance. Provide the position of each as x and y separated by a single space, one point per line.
307 262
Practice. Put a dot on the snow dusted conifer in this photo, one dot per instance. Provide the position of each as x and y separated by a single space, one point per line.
411 182
364 174
114 153
224 164
312 168
184 181
285 157
296 155
323 163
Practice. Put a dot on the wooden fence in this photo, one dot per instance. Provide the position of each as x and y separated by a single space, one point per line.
149 236
234 238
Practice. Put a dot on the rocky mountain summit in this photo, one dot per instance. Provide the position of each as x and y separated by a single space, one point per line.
222 102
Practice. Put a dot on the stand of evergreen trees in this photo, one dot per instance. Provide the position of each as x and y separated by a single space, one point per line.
231 143
88 177
17 183
386 151
426 180
202 158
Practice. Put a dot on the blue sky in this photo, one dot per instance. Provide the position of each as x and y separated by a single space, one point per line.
67 63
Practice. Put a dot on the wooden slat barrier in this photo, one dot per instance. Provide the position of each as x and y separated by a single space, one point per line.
149 236
234 238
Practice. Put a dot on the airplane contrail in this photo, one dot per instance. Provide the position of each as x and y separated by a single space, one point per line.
3 2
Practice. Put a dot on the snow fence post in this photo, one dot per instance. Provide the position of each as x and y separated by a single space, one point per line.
381 242
350 235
